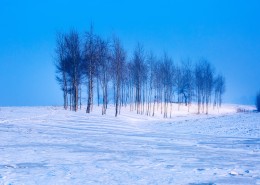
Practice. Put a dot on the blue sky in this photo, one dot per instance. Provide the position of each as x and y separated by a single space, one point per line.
227 33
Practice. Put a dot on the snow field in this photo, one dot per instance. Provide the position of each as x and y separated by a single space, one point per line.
48 145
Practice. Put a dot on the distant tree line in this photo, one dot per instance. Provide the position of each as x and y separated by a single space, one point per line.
257 102
143 81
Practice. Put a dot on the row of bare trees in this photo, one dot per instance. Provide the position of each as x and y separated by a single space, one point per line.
144 82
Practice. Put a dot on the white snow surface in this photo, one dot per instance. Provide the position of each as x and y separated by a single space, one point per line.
49 145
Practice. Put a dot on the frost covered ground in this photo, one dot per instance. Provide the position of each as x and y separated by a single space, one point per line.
48 145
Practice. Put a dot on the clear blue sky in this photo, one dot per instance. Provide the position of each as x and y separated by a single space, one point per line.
226 32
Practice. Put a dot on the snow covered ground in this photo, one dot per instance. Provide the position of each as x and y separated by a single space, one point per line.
48 145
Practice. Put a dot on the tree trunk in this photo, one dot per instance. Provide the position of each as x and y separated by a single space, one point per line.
90 94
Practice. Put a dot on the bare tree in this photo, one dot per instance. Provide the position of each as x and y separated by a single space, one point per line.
118 62
104 68
150 80
204 81
61 64
167 73
72 43
188 82
209 83
184 80
219 89
90 55
139 76
179 84
157 85
198 84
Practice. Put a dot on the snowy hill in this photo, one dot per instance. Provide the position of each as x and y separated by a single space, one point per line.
48 145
